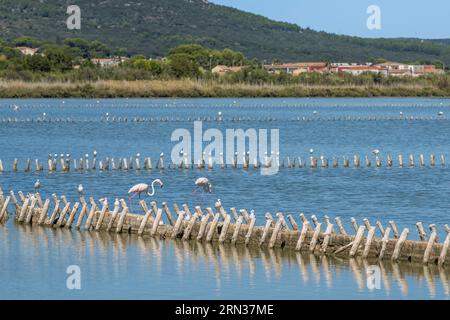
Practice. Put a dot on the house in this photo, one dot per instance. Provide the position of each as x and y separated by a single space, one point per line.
357 70
222 70
394 66
109 62
298 68
420 70
400 72
27 51
335 65
397 69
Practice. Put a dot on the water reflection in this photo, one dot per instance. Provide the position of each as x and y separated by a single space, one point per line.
127 266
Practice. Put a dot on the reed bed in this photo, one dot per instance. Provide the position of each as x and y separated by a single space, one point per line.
201 88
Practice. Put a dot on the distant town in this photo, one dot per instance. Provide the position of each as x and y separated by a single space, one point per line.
386 68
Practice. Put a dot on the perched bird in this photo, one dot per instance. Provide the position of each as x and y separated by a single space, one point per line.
80 189
143 187
186 215
376 152
218 203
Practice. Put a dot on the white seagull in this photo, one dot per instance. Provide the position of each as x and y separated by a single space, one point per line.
80 189
37 185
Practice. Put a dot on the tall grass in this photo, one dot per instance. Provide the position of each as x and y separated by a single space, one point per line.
207 88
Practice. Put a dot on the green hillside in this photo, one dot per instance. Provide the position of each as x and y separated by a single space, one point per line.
152 27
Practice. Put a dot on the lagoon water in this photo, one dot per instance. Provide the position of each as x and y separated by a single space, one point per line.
34 260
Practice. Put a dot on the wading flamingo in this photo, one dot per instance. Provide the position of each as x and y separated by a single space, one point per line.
143 187
205 186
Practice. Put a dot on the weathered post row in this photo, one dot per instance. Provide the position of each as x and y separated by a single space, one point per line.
117 119
235 228
64 163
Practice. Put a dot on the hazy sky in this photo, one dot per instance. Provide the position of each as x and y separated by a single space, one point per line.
399 18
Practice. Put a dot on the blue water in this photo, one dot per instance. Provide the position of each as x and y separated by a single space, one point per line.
33 260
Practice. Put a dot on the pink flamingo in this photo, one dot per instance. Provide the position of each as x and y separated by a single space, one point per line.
143 187
205 185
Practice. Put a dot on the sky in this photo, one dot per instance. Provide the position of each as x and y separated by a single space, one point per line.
428 19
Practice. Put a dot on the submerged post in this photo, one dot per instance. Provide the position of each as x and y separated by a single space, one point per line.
429 249
315 237
357 241
399 244
445 248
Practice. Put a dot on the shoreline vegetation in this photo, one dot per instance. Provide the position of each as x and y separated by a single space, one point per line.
208 89
77 68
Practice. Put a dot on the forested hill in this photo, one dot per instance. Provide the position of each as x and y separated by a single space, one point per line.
152 27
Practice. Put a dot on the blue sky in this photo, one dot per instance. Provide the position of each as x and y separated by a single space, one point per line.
399 18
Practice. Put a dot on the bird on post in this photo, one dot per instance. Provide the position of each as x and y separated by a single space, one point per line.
144 188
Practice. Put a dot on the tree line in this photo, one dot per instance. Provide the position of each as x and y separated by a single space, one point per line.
72 61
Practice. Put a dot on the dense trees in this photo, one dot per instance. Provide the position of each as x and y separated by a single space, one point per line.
207 58
153 27
89 49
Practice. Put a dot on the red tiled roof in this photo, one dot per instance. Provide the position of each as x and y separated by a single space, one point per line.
297 65
361 68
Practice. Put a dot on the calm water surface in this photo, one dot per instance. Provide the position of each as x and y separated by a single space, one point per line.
34 260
